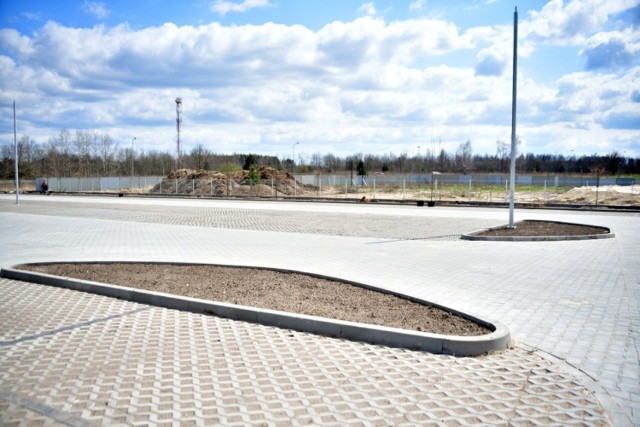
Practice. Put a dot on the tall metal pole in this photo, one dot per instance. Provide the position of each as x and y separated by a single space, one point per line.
15 144
512 177
178 126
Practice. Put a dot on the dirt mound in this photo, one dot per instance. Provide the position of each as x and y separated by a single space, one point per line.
606 195
289 292
266 182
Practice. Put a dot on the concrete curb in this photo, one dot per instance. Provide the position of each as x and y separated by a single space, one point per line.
475 235
498 339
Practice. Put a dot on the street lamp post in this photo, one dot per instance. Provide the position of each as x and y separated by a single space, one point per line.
131 184
293 158
512 174
16 159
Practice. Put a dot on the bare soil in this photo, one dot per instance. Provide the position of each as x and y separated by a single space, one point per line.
267 182
531 228
611 195
283 291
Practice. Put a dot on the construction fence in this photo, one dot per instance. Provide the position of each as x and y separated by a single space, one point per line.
392 186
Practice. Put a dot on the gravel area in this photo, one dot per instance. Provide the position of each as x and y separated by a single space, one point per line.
289 292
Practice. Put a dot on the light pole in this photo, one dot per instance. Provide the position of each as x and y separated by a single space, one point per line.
16 159
512 174
293 158
131 185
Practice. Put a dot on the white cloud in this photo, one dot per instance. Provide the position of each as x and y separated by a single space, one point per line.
573 22
222 7
416 5
491 63
371 40
97 9
368 9
611 50
600 100
368 84
32 16
11 40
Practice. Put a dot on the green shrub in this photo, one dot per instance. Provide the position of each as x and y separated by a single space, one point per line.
230 167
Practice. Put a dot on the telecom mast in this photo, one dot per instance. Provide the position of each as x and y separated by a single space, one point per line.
178 126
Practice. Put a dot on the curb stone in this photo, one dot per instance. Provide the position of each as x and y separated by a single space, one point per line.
498 339
475 236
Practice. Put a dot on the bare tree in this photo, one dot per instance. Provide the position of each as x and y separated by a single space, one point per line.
316 161
84 146
502 153
199 157
64 149
106 148
464 157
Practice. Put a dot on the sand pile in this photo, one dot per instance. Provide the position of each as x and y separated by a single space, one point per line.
617 195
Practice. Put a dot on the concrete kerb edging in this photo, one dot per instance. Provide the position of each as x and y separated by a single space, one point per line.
498 339
475 235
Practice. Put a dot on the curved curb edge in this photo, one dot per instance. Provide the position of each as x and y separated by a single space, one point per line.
475 235
497 340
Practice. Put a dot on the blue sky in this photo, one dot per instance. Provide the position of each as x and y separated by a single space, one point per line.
338 76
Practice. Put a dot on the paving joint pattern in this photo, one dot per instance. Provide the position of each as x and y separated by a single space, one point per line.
309 222
577 302
497 339
157 366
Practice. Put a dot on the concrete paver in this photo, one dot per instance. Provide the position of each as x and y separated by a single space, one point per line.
134 364
575 304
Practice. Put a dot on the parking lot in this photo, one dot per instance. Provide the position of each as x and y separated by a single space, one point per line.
573 309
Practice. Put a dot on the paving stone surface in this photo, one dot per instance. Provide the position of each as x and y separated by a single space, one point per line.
575 305
115 362
272 219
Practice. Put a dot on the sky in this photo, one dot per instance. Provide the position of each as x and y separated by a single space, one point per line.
325 76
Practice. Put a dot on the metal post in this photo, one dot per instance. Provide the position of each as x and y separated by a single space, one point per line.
513 119
15 144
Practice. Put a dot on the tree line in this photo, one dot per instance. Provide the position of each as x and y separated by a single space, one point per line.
88 154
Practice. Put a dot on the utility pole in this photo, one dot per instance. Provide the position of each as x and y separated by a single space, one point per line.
512 178
15 144
178 126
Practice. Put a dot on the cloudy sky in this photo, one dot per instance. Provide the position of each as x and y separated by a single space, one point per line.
337 76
